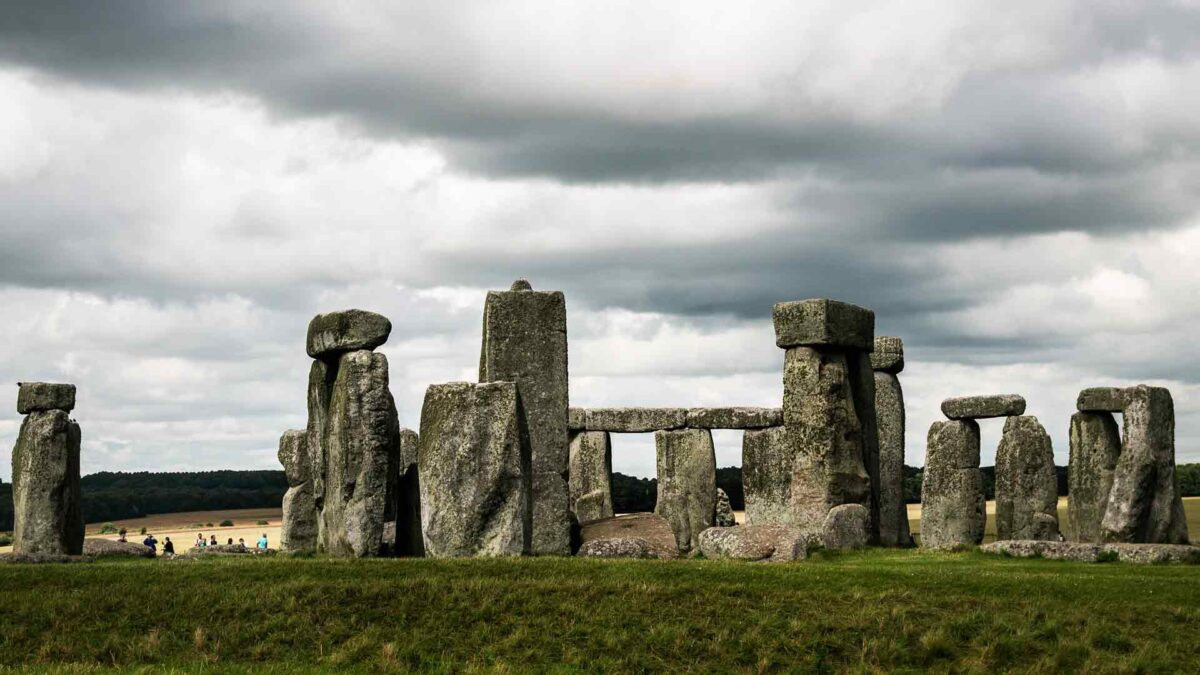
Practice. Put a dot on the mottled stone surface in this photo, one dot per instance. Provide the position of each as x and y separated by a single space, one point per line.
95 547
635 420
618 547
846 527
821 322
321 376
576 419
361 447
734 418
351 330
591 475
888 356
1144 503
630 534
724 511
952 505
981 407
298 529
862 386
1138 554
41 396
474 470
1026 484
1095 449
525 341
1101 399
768 460
890 418
409 541
687 482
770 543
45 486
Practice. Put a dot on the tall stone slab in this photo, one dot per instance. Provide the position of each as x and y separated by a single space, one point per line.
409 541
1026 484
591 475
768 465
1095 449
321 376
862 386
45 482
298 531
525 341
687 482
474 470
889 411
952 504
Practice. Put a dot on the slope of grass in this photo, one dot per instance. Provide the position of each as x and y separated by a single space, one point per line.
872 611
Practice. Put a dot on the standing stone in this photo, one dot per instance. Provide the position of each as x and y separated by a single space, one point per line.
525 341
320 387
45 485
768 460
724 512
687 482
1026 484
862 385
889 412
1095 449
591 475
1144 504
298 531
952 505
409 541
474 471
361 447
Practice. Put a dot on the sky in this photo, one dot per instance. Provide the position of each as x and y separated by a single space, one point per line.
1013 188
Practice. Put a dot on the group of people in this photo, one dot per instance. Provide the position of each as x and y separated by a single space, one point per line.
152 544
169 547
201 542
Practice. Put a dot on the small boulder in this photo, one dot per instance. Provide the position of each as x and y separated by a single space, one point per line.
350 330
846 527
96 547
771 543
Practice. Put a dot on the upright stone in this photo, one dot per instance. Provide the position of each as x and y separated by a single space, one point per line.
724 516
474 470
888 359
952 505
525 341
687 482
1095 449
321 376
591 475
768 463
409 541
862 386
298 531
45 485
1026 484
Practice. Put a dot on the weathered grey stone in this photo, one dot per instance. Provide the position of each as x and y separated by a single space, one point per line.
888 356
687 482
635 420
952 505
474 470
45 486
619 547
846 527
980 407
576 419
821 322
298 529
351 330
15 558
521 285
320 387
770 543
768 460
1026 484
1138 554
41 396
823 427
94 547
889 415
1101 399
409 541
724 511
1144 504
734 418
862 386
1095 448
591 475
525 341
361 447
629 535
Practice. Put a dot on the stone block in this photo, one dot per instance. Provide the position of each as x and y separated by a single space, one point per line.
409 541
1138 554
1101 399
821 322
634 535
298 529
862 387
846 528
768 462
952 504
890 418
42 396
768 543
351 330
1026 482
724 511
591 475
45 486
687 482
577 419
635 420
1095 449
888 356
734 418
980 407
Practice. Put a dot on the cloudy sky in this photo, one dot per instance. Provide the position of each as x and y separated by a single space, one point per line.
1014 188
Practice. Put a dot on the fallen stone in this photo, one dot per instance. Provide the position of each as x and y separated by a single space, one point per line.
888 356
228 550
590 475
653 531
95 547
890 418
621 547
846 528
474 485
952 505
298 529
724 511
821 322
770 543
734 418
1026 482
14 558
1138 554
45 485
408 540
687 482
42 396
980 407
1095 449
351 330
635 420
1101 399
767 464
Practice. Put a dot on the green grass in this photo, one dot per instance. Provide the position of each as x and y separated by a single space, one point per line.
866 612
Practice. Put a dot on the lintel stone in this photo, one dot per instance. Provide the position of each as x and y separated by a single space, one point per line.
734 418
823 322
635 420
33 396
888 356
349 330
1101 399
979 407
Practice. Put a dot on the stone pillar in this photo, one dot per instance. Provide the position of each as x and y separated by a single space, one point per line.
45 472
409 541
298 531
1026 484
829 409
1095 448
474 470
768 460
591 475
525 341
687 482
952 504
888 361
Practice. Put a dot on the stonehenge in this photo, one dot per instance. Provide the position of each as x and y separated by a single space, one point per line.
981 407
887 361
1026 486
687 482
298 529
952 504
1095 448
591 475
47 519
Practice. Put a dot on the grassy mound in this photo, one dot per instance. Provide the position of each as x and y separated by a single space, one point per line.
878 610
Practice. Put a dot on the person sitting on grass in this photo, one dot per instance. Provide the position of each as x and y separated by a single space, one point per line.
122 537
200 541
262 541
213 541
230 542
168 548
151 542
241 543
